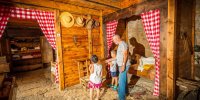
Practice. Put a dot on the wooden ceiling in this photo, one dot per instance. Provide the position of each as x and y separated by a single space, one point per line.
107 6
93 7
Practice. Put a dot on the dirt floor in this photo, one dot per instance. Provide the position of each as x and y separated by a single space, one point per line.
36 85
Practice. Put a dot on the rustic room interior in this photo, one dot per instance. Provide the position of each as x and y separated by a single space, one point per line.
46 46
27 47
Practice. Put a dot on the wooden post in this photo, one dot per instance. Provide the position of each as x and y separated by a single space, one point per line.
59 51
193 39
79 73
90 42
126 33
171 44
101 35
0 48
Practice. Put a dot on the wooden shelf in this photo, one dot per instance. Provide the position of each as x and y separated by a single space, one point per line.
27 52
22 38
26 58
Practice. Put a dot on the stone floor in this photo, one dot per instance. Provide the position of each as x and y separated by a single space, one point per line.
36 85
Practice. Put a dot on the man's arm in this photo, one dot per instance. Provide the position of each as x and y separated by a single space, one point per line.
125 57
109 60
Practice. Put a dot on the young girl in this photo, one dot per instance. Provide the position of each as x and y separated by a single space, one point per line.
95 76
113 70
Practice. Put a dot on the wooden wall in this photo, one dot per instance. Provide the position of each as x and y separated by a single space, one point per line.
197 23
71 52
184 31
163 50
4 46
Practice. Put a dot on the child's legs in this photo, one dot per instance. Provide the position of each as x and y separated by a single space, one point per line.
98 93
112 81
116 81
91 94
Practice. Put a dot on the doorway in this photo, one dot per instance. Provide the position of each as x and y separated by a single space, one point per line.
30 55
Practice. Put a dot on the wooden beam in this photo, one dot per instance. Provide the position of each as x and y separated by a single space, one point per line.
193 39
135 10
90 43
127 3
91 5
171 47
101 35
59 51
107 3
55 5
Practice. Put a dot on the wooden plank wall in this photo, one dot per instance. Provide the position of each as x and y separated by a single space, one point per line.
72 51
184 25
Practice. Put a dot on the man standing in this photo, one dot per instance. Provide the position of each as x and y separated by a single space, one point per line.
123 64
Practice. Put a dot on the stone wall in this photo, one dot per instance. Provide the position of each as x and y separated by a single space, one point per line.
136 30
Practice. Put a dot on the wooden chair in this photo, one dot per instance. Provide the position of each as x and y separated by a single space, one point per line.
83 70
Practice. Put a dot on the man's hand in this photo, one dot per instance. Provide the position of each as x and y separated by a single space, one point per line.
122 68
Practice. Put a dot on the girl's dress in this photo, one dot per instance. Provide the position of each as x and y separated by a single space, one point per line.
95 77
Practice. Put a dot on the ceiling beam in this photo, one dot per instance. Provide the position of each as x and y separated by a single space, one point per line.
135 10
88 4
127 3
55 5
107 3
91 5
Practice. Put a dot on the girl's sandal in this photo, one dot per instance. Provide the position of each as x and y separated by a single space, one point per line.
115 88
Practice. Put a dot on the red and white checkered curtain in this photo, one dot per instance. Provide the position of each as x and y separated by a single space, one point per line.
46 23
45 20
151 23
4 16
110 32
